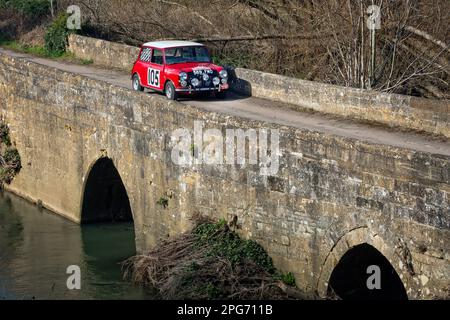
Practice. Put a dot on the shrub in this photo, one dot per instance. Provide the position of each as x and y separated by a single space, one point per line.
32 8
56 36
163 201
10 163
222 243
12 157
232 59
4 134
210 262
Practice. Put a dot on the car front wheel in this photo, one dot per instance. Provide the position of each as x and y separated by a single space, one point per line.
137 83
171 94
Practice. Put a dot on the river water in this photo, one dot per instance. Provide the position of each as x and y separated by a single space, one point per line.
37 246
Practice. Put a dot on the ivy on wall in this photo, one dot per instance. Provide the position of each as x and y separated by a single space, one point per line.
10 163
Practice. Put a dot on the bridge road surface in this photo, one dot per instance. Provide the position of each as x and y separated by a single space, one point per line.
268 111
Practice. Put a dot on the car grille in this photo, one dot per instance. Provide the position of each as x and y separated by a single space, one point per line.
203 84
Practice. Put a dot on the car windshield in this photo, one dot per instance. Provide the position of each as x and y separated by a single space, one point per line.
187 54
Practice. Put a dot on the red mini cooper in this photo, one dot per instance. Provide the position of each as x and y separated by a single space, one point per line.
178 68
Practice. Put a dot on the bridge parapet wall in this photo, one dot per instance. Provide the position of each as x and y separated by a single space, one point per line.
393 110
103 53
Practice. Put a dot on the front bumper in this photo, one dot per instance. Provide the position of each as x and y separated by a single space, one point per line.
190 89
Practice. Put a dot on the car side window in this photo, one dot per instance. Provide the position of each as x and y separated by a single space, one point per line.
146 54
157 57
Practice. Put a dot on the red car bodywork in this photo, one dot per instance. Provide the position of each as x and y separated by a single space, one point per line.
154 72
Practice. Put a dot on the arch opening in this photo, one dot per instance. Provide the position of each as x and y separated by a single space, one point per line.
349 279
105 198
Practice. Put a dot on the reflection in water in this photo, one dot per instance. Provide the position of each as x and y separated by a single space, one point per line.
36 247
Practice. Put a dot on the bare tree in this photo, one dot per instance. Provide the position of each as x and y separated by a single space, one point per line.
322 40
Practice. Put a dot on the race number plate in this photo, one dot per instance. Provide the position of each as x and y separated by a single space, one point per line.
154 77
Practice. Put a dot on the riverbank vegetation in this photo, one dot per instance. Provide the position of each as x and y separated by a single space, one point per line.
27 28
210 262
10 163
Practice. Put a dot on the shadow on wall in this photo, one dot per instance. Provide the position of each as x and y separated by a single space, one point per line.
105 197
240 86
349 278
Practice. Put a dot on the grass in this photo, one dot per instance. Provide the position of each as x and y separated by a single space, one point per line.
87 61
42 52
33 50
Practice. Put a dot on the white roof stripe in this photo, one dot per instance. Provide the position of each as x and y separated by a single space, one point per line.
171 44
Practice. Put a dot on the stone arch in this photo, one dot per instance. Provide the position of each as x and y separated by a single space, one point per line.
104 196
351 240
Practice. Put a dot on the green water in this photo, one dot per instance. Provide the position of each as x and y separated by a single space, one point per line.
36 247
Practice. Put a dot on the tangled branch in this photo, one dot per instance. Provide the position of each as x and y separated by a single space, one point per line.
208 263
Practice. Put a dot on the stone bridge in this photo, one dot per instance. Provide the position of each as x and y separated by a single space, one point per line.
92 148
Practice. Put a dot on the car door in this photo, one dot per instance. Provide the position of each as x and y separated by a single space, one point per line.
143 64
155 70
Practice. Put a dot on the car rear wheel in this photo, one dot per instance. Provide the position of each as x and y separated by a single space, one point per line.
137 83
171 94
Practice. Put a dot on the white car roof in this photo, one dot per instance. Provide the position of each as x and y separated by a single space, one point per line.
171 44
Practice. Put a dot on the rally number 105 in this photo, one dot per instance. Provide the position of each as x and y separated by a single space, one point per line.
153 77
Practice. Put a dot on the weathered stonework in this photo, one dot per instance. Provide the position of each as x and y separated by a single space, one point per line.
330 194
103 53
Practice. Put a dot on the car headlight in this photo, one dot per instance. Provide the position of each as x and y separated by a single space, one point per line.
224 81
223 73
205 77
183 76
195 82
183 83
216 81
